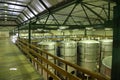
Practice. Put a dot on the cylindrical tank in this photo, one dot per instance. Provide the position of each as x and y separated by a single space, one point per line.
106 48
68 51
49 47
106 66
88 51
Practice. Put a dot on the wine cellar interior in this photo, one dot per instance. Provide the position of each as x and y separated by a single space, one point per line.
59 39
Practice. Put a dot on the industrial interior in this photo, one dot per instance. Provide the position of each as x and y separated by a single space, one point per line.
59 39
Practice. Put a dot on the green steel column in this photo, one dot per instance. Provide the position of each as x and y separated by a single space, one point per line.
29 33
85 33
18 32
115 74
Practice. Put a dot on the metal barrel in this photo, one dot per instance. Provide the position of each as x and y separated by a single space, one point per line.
106 66
68 51
49 47
106 48
88 51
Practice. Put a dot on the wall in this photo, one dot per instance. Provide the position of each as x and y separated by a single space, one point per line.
80 32
4 34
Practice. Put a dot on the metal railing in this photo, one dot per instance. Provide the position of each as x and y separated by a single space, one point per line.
39 58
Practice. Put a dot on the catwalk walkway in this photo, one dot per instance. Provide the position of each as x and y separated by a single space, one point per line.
14 65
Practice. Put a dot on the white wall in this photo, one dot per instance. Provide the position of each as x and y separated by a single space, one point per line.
4 34
92 32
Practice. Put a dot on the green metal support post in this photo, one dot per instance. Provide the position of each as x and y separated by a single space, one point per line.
85 33
115 74
29 33
18 31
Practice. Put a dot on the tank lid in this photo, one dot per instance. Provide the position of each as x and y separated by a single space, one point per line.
46 43
89 41
107 61
68 41
107 40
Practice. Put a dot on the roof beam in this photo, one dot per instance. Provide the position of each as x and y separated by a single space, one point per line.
69 15
8 15
25 15
62 5
7 25
21 18
1 2
10 10
31 11
44 5
18 22
86 15
56 7
48 10
97 6
7 19
94 12
77 16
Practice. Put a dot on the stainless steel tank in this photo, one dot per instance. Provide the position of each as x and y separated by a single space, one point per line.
106 66
106 47
88 51
68 51
49 47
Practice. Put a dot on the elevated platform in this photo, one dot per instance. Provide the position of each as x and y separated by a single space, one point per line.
14 65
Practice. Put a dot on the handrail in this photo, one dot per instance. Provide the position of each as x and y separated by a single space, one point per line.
70 76
27 52
78 68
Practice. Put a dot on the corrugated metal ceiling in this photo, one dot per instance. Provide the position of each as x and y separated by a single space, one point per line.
19 11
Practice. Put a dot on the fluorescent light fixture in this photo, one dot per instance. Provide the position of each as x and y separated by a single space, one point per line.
5 19
59 30
5 4
13 69
89 28
5 11
107 29
6 15
63 27
94 29
39 29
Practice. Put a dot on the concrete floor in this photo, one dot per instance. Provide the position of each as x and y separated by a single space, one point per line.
14 65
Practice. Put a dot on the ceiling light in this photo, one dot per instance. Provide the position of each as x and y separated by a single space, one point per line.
5 4
5 11
39 29
63 27
13 69
108 29
59 30
5 19
5 15
89 28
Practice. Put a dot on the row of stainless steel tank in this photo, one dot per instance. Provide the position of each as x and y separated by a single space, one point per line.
86 53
